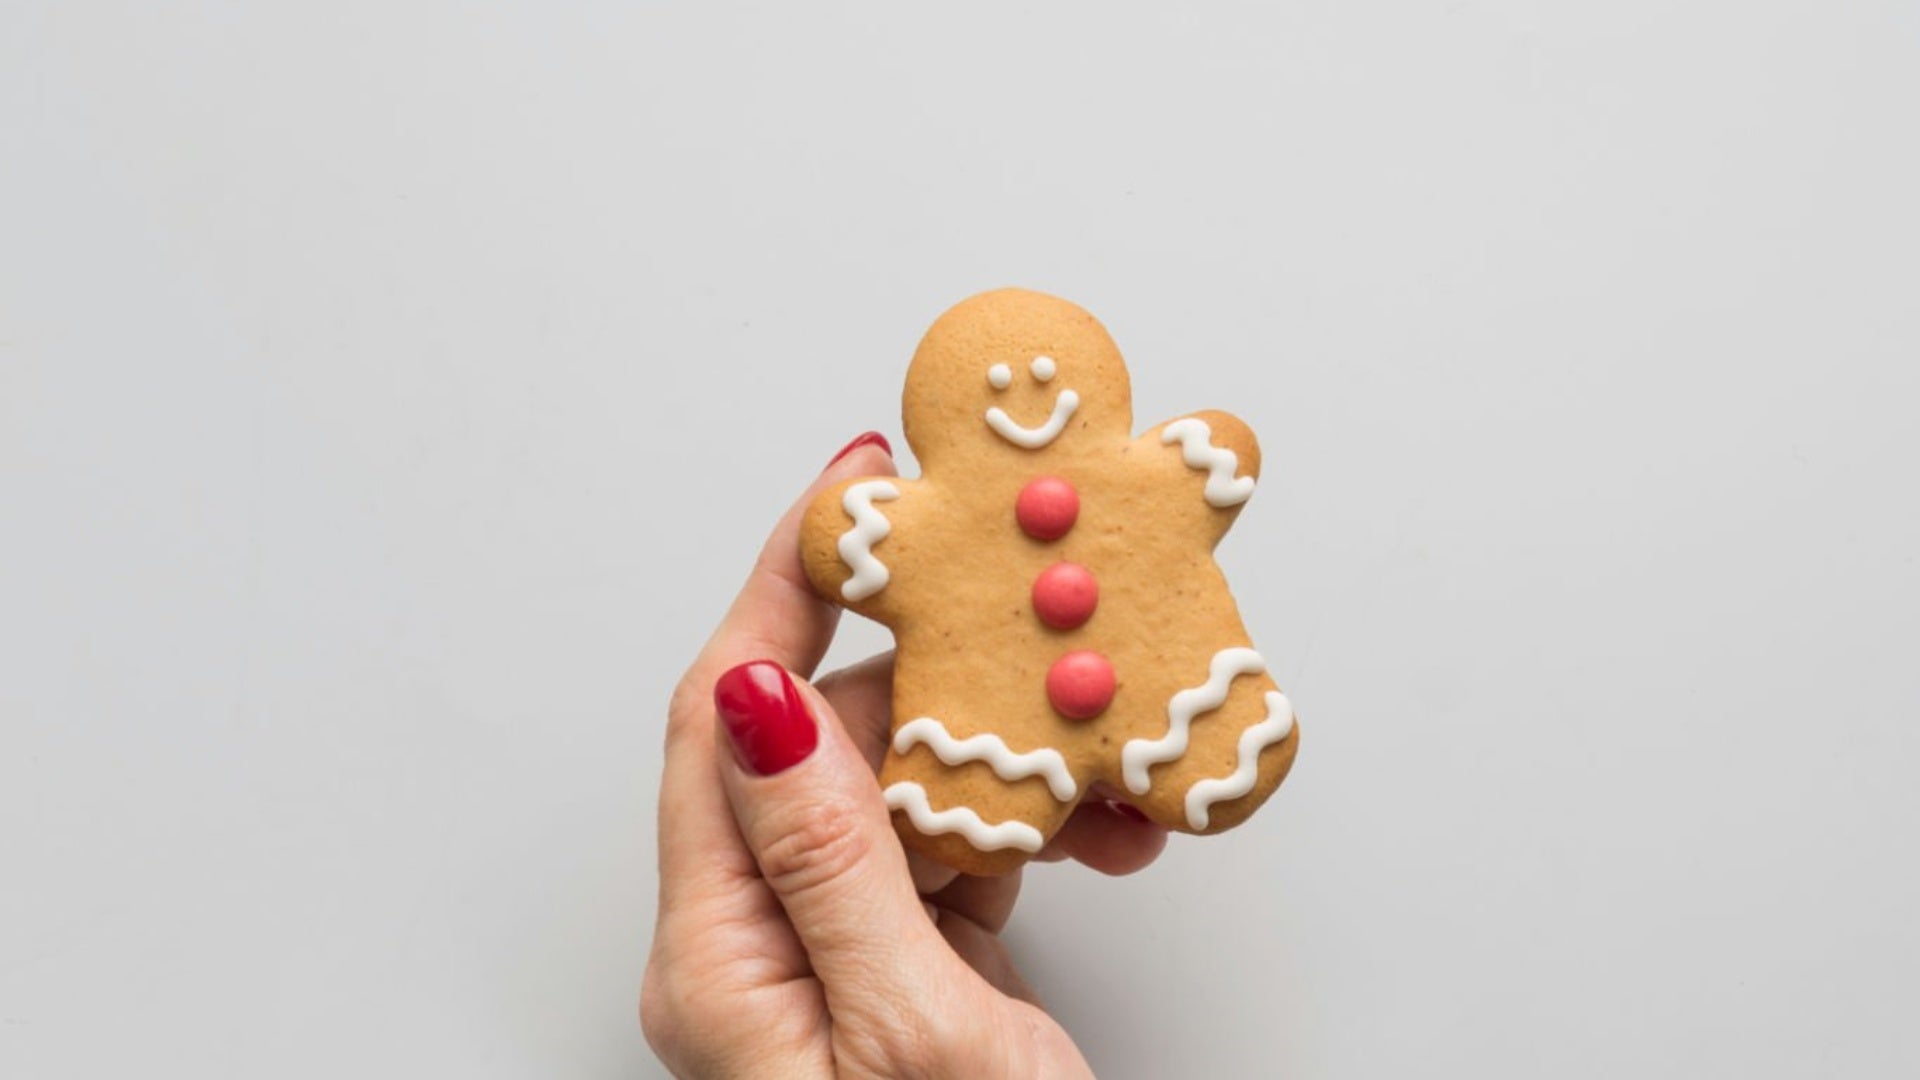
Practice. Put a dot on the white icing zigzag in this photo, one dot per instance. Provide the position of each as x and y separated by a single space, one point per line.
1197 450
1005 762
870 527
912 798
1138 754
1204 793
1035 438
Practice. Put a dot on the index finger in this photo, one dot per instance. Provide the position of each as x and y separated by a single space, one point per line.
775 617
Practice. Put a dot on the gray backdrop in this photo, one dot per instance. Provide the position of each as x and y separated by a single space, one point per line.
391 396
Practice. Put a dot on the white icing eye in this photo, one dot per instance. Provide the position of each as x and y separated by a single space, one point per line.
1000 375
1043 368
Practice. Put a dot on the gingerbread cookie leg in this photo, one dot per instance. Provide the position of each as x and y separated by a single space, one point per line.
939 784
1229 741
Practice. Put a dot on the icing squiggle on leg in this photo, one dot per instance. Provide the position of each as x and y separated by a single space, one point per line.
1138 754
1006 763
870 526
1276 727
1196 449
912 798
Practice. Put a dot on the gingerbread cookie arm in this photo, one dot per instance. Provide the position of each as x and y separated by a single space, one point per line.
1213 453
848 540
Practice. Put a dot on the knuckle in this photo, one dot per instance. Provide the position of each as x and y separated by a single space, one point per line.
686 1012
660 1011
808 847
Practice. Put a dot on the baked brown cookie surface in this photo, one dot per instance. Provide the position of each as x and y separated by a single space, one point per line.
1061 626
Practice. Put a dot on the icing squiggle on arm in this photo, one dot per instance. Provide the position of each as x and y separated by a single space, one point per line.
1197 450
1139 754
1275 728
912 798
870 527
1005 762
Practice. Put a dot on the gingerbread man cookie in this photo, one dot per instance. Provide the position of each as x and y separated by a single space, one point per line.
1061 626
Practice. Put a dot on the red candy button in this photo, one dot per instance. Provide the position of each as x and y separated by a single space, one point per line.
1064 595
1080 685
1047 508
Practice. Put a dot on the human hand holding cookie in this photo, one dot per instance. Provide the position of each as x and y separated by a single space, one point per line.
795 937
1064 640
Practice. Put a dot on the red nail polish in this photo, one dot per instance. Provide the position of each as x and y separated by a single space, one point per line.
1127 810
766 719
871 438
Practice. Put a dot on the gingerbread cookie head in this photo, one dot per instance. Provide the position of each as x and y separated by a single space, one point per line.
1062 630
1019 369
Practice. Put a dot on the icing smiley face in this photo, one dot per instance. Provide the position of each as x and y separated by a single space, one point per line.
1037 375
1000 377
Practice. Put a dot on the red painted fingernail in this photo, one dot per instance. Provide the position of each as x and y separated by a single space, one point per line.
766 720
871 438
1127 810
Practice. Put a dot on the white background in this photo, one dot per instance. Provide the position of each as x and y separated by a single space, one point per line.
391 396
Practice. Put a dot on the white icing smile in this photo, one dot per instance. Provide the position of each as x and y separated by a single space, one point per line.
999 376
1033 438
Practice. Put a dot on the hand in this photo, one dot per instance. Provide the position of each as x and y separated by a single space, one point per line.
796 938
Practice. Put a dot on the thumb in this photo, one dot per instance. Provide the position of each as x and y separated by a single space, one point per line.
809 810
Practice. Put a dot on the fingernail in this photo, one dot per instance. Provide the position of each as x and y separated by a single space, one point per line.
871 438
1127 810
766 719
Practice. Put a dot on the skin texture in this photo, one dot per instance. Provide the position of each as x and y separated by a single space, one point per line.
973 653
795 937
